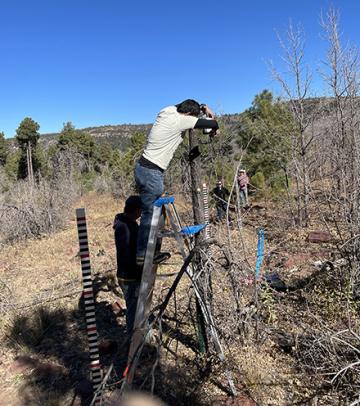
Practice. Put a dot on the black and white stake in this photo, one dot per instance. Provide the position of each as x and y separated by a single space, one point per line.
89 302
205 196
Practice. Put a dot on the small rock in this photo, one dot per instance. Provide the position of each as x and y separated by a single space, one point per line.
319 237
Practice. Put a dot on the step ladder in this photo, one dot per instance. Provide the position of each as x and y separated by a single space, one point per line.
183 236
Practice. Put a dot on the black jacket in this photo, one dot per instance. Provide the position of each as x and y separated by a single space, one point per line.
222 193
126 233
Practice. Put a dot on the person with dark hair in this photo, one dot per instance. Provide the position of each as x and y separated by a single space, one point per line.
189 106
128 273
165 136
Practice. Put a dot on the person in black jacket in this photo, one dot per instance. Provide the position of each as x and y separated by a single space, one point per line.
128 273
221 195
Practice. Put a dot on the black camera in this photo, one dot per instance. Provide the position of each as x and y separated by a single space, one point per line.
205 116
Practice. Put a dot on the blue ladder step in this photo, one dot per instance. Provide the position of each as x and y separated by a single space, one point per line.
190 230
164 200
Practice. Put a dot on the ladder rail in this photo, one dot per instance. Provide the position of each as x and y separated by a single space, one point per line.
145 293
141 338
141 328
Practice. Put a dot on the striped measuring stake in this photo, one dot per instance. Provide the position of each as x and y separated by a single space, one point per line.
88 294
205 196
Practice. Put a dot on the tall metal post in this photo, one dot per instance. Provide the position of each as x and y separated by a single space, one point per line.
195 174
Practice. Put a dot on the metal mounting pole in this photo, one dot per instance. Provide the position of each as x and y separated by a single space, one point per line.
195 173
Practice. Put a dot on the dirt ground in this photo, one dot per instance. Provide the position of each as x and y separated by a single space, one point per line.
43 351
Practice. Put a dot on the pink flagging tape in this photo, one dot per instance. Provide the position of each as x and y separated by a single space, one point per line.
88 295
126 371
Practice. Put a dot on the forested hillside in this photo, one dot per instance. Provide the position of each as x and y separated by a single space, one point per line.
116 135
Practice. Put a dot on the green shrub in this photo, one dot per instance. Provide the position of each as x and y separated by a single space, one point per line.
258 180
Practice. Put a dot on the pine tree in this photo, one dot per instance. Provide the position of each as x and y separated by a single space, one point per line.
265 130
79 141
27 136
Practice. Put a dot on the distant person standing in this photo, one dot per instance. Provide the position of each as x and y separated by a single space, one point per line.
221 195
243 181
128 273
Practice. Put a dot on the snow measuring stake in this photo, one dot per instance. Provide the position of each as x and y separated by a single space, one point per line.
89 303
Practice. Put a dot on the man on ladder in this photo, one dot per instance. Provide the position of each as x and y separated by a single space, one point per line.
164 138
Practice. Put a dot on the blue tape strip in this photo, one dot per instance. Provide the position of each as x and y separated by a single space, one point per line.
260 252
189 230
164 200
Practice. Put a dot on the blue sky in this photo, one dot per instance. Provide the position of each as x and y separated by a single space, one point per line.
112 61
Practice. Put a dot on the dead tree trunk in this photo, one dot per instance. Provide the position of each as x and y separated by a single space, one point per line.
29 164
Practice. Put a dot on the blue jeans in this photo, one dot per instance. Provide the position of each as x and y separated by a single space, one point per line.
131 293
221 210
243 197
150 184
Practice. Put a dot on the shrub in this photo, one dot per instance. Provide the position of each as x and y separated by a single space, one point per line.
34 210
258 180
5 181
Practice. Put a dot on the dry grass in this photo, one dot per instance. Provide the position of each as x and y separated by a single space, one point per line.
44 268
267 377
32 266
35 270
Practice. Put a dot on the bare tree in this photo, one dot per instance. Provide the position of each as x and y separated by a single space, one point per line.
27 211
341 73
295 83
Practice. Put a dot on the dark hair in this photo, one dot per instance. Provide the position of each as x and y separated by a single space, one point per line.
132 203
189 106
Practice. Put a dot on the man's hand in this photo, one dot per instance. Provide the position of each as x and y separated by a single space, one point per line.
209 112
214 133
